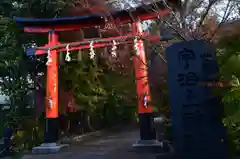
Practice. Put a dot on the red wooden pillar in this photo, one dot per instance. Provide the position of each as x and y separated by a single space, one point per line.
51 132
147 131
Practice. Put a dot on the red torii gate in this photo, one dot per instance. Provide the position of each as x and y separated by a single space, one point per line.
52 26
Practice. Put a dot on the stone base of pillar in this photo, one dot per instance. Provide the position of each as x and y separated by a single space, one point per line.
47 148
152 146
144 143
50 139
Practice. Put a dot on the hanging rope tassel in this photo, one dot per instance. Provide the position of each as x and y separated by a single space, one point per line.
49 59
68 58
92 53
114 48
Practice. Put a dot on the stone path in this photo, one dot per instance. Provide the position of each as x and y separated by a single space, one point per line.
116 145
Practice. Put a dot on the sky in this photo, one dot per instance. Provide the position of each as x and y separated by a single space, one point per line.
220 8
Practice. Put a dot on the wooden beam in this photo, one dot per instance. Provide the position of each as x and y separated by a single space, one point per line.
86 44
59 28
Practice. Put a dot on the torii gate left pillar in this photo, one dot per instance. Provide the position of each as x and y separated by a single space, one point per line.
51 102
51 106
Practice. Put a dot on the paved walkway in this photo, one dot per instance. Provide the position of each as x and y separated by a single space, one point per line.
116 145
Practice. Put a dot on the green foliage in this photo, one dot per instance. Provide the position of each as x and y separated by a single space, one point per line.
233 135
16 70
83 79
229 58
29 135
105 94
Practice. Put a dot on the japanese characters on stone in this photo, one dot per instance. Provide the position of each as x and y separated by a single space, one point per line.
185 56
191 111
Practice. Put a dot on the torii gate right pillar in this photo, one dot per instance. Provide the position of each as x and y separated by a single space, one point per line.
147 131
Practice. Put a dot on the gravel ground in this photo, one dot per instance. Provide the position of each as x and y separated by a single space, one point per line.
115 145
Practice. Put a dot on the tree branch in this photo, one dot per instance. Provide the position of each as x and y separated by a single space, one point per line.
204 15
175 30
227 12
172 12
